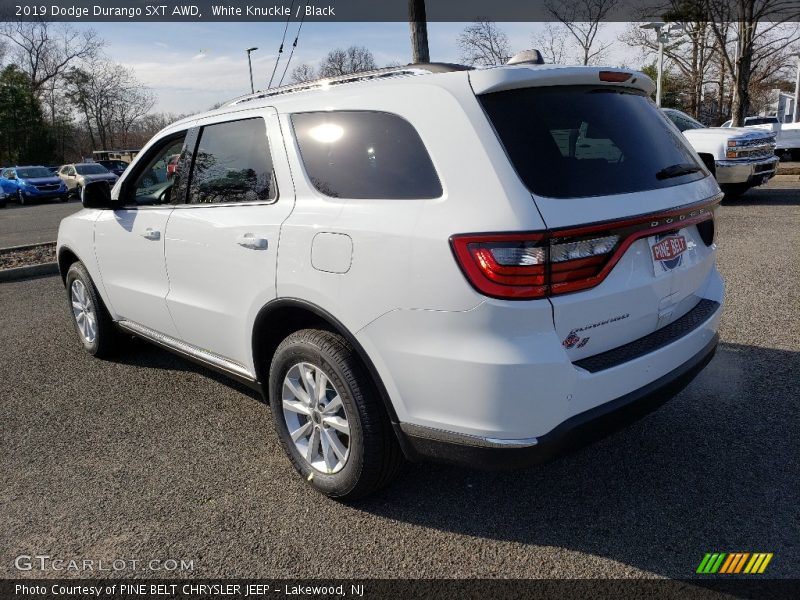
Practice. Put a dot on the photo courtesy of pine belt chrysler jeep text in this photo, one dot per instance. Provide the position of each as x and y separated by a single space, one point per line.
478 266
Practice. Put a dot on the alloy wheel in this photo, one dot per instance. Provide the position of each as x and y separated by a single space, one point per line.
316 418
83 311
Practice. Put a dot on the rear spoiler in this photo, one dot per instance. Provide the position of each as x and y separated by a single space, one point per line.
486 81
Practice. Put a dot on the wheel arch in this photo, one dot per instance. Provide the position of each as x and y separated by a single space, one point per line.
279 318
66 257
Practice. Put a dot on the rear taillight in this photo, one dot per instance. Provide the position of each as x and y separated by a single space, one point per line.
535 265
504 266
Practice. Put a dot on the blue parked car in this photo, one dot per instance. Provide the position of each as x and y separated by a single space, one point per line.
32 183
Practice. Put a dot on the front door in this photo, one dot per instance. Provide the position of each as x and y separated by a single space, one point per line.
130 241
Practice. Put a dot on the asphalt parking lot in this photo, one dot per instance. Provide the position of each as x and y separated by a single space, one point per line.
33 223
151 457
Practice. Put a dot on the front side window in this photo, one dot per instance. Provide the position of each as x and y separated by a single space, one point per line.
361 154
580 141
233 163
151 184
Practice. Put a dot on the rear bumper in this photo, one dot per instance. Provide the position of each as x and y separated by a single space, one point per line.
755 171
424 443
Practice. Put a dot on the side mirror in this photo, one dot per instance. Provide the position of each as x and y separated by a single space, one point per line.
96 194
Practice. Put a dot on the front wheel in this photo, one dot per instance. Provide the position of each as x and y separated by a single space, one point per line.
329 418
20 198
94 325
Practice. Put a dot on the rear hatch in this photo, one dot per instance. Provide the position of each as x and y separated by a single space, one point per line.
627 202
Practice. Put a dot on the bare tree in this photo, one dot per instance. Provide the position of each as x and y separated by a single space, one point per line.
583 19
484 43
109 99
552 43
302 73
763 35
354 59
692 54
45 51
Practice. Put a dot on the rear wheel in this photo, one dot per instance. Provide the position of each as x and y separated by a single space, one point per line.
329 418
94 325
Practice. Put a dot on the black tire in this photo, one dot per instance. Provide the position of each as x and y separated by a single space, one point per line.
734 190
20 198
3 203
374 454
77 192
107 337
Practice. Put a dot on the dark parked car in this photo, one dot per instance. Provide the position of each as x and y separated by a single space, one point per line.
117 167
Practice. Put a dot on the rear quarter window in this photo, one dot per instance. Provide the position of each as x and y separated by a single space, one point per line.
579 141
361 154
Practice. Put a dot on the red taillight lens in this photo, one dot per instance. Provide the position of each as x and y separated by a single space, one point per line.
536 265
530 265
614 76
504 266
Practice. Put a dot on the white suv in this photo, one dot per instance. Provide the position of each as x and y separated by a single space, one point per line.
475 266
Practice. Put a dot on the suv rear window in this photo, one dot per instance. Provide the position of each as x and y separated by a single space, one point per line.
361 154
579 141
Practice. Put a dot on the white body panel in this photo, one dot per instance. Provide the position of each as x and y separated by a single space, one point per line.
449 357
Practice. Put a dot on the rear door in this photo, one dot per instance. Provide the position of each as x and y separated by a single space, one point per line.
222 245
609 175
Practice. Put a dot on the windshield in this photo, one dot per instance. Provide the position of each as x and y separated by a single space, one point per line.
91 169
579 141
33 172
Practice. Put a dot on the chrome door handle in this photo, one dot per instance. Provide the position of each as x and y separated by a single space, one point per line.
250 240
151 234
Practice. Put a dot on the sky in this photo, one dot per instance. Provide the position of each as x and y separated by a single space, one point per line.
192 66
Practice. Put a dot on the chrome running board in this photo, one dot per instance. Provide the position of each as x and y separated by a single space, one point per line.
205 357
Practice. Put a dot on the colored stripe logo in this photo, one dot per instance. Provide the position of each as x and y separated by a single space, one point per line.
735 562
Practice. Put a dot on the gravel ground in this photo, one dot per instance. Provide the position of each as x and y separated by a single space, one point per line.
31 256
150 457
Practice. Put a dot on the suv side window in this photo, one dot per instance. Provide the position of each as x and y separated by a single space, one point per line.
233 163
363 154
153 184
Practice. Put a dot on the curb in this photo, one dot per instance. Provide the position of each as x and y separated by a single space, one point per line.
28 272
782 177
25 247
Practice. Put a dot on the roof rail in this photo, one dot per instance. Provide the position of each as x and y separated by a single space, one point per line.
410 69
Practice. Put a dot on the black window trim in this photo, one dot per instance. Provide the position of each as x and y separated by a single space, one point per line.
198 131
314 189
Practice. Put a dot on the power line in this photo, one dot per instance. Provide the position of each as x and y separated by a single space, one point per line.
294 45
280 50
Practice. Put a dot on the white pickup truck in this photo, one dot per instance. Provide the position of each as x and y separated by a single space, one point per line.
739 157
787 135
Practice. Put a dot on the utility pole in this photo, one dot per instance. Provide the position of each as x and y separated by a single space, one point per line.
250 65
418 25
